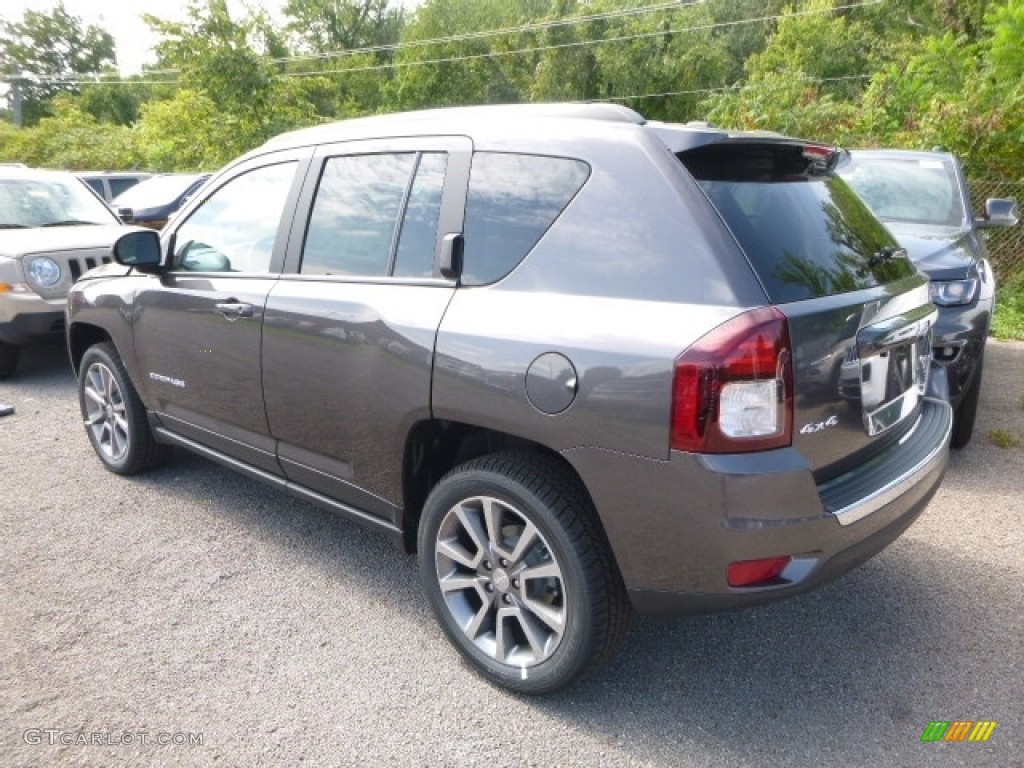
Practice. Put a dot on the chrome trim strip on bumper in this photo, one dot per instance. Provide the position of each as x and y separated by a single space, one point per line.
893 490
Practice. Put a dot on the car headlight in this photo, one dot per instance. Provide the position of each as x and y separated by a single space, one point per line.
951 293
44 272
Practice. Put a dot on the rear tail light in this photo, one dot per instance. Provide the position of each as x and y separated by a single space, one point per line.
749 573
733 390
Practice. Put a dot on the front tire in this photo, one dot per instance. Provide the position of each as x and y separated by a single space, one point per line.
519 574
115 418
966 413
8 359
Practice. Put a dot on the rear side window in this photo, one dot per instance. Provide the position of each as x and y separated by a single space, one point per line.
806 233
354 228
512 201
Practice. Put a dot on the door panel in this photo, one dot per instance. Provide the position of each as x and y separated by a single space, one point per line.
198 328
203 370
346 374
347 346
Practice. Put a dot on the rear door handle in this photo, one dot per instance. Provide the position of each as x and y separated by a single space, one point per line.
233 310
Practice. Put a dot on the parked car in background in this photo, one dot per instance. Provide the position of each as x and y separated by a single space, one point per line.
556 349
922 197
110 184
52 230
152 202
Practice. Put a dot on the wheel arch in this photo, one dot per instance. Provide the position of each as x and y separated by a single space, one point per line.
435 446
81 336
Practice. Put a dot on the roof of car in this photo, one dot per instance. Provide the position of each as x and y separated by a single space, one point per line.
452 120
100 174
24 172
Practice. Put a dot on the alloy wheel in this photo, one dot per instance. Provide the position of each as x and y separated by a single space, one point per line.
501 581
106 416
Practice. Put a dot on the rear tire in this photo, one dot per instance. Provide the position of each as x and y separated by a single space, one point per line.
115 418
519 573
9 354
965 414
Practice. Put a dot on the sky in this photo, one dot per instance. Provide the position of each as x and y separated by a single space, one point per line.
123 20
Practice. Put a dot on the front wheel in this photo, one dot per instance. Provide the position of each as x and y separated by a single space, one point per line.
519 573
115 418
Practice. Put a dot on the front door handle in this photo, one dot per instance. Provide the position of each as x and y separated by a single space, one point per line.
233 310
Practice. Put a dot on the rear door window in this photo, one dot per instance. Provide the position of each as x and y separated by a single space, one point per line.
376 215
513 199
805 232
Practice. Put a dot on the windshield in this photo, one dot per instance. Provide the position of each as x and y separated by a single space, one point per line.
50 201
160 190
917 191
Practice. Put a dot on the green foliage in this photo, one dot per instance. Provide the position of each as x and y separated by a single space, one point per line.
232 98
334 25
1003 439
71 139
807 80
1008 320
52 48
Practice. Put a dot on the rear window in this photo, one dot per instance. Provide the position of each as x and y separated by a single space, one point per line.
512 201
806 233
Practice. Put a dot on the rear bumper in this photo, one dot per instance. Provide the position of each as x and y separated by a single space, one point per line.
675 526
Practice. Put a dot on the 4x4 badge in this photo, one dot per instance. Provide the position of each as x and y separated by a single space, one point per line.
817 426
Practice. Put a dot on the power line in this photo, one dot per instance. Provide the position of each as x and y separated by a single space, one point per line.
569 21
719 89
460 37
579 43
499 54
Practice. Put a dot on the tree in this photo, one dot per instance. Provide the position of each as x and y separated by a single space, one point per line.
70 138
323 26
965 95
55 49
230 65
808 79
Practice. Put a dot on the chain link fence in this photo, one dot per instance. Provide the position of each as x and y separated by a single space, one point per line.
1005 246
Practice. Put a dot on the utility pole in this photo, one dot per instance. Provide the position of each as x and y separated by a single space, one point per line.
18 79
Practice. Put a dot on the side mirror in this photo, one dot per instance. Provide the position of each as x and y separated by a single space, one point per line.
127 215
999 212
140 250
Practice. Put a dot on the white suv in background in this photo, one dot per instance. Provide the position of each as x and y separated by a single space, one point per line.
52 230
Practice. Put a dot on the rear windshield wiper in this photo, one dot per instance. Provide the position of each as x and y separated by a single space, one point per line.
14 226
884 254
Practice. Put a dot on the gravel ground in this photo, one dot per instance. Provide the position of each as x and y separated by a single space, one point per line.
195 604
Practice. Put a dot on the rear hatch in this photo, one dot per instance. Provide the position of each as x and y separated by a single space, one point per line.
859 312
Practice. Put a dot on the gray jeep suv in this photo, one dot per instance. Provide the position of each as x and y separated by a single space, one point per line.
582 363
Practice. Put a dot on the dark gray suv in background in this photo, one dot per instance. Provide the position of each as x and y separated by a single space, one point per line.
922 197
580 362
